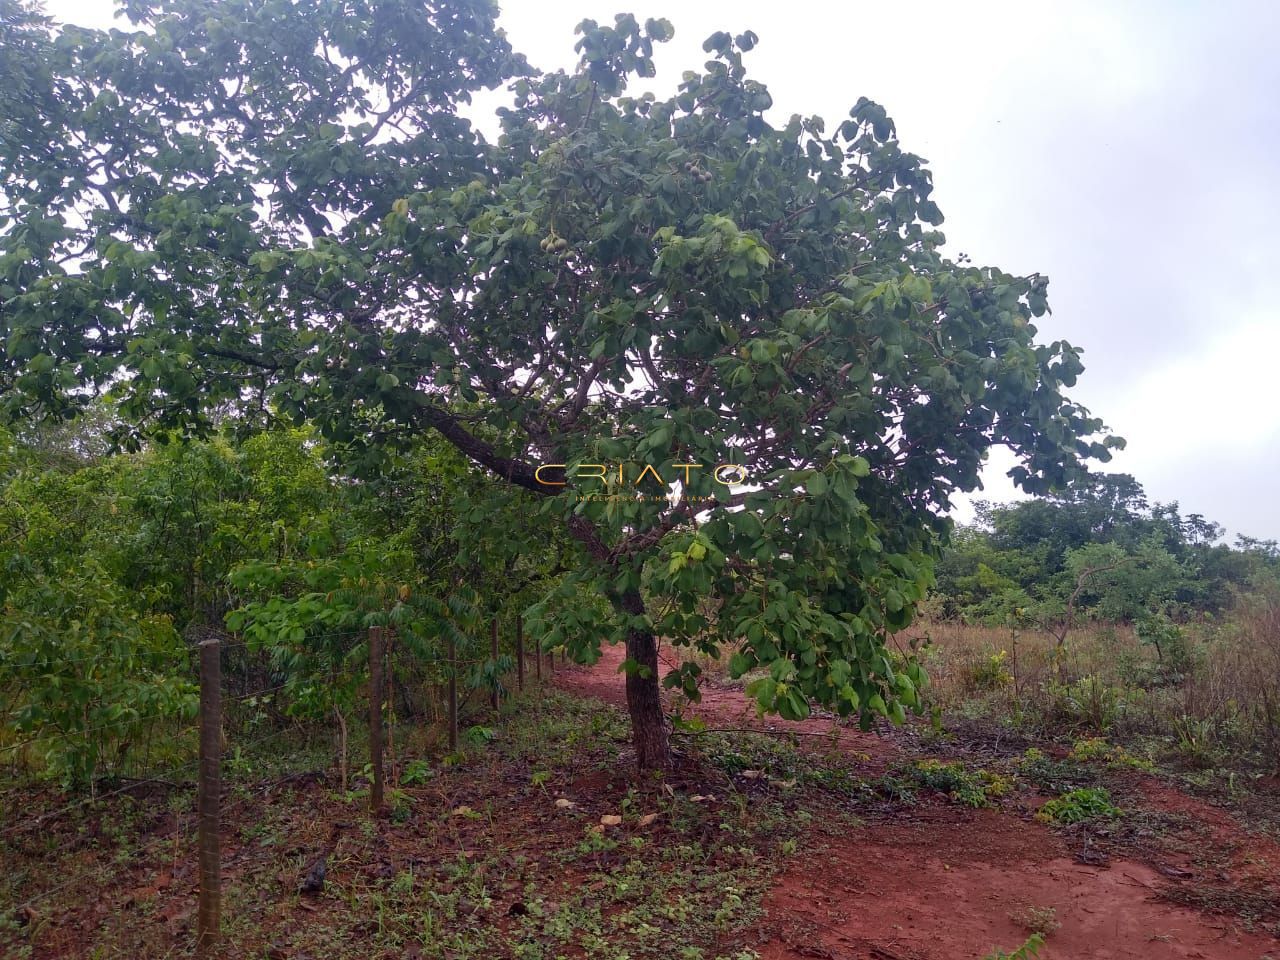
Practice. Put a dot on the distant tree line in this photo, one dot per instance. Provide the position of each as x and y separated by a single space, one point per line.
1124 558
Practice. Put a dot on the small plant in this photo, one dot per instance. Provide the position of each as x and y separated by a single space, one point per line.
989 673
402 885
416 772
1087 803
1089 702
478 736
1027 951
1055 776
1099 750
973 788
1169 640
1194 741
1037 920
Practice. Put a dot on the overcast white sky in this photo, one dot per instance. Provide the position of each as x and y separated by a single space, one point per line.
1126 150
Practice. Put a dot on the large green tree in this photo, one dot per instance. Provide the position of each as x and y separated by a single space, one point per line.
275 206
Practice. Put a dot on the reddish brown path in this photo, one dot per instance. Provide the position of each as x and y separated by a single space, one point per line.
948 883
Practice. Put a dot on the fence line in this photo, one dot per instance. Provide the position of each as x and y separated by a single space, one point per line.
210 762
166 837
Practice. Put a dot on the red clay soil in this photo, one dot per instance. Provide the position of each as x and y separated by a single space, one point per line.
952 883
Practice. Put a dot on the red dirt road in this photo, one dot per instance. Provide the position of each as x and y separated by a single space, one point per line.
947 882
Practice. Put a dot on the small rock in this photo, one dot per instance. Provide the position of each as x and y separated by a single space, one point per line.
313 882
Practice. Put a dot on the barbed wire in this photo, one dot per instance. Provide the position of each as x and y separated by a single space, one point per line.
234 808
131 722
188 649
160 776
150 844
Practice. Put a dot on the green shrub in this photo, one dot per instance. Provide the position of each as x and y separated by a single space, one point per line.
989 673
1194 741
973 788
1169 641
1057 776
1087 803
416 772
1090 702
1099 750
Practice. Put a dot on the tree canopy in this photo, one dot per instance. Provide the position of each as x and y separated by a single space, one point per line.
1027 558
273 210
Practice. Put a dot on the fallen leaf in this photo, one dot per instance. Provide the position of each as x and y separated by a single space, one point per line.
647 819
564 804
460 811
610 820
751 774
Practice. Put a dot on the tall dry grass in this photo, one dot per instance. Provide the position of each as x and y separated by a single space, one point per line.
1221 694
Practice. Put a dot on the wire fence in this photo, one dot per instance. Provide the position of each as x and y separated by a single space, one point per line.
239 737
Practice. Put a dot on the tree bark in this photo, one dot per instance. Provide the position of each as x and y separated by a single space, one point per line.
644 702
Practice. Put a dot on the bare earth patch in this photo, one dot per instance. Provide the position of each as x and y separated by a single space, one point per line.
943 882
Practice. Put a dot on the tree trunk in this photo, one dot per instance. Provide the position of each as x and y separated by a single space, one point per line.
648 724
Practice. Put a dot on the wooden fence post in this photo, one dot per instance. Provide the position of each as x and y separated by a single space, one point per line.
520 650
493 654
453 696
375 719
537 660
209 916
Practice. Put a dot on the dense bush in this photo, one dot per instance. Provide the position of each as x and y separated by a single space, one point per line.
109 560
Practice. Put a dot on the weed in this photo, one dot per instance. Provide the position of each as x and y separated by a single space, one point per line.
416 772
973 788
989 673
1090 702
478 736
1193 741
1027 951
1098 749
1087 803
1037 920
